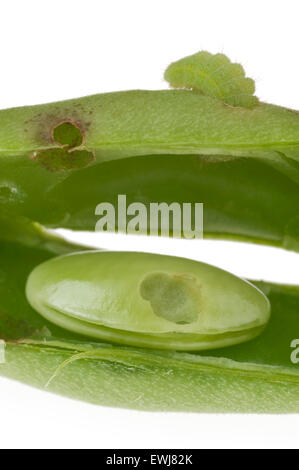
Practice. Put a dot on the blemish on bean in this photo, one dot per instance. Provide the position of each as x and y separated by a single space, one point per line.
175 297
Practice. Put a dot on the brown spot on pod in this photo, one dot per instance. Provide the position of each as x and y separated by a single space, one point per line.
69 153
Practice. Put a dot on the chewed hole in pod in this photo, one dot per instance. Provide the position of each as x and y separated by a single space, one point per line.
147 300
69 155
68 133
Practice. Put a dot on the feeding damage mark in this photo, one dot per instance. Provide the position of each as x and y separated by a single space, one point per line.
69 155
174 297
68 134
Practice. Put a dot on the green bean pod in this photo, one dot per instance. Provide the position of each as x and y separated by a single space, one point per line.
255 376
114 328
58 161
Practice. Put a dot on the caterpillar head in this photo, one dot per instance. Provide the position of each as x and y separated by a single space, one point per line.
215 76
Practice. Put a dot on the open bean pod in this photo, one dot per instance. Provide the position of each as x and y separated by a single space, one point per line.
115 328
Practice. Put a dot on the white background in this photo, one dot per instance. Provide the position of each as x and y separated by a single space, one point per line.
53 50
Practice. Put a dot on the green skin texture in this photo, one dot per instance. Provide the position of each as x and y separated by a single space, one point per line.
169 145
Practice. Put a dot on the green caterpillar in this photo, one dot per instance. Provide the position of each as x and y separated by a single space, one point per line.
215 76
